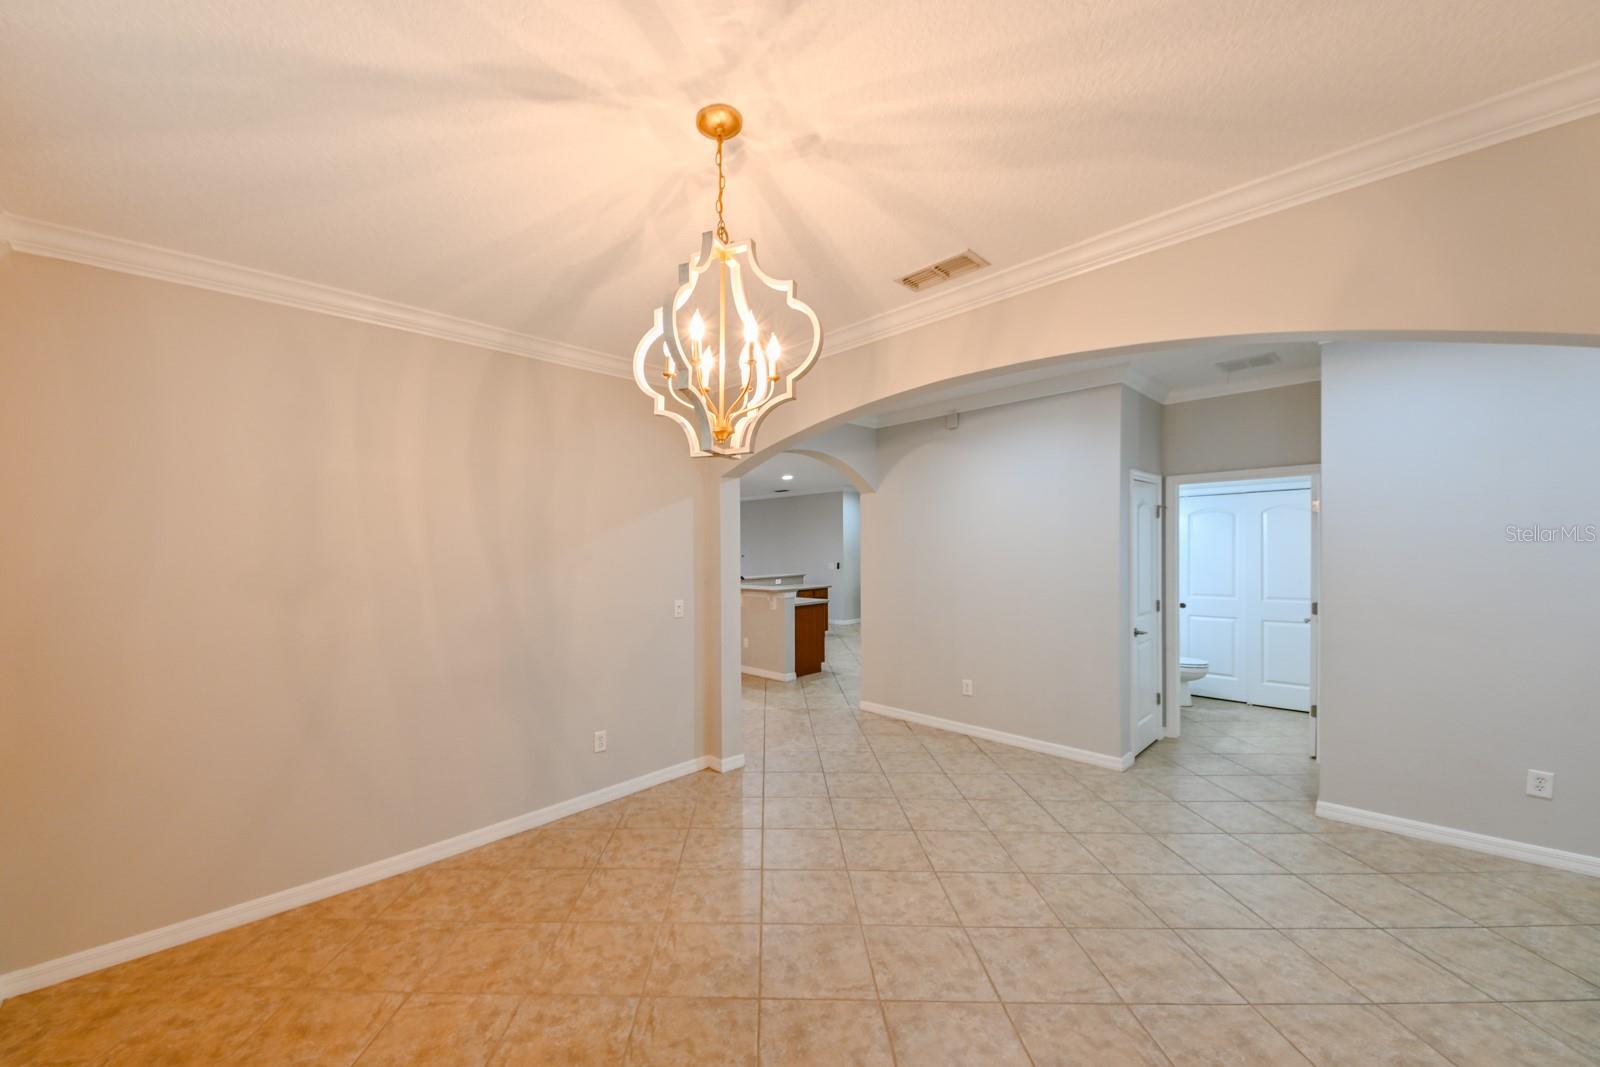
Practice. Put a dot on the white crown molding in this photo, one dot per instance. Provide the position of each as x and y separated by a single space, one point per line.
1049 748
100 957
1542 855
1551 102
131 257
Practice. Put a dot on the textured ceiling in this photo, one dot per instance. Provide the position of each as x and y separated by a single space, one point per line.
534 166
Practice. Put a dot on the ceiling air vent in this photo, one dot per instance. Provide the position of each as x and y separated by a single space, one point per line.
1265 359
944 270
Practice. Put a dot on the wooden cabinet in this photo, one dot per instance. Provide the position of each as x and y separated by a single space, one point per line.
810 629
818 593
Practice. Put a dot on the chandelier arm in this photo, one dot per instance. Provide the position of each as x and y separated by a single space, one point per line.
734 409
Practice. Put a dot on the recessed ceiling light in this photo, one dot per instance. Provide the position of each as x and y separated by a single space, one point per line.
788 477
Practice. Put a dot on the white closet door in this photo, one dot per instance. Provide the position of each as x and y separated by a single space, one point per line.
1211 594
1283 610
1245 595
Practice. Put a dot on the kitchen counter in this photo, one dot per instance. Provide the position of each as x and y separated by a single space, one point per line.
783 632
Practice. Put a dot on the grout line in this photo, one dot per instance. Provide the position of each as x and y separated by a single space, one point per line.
405 998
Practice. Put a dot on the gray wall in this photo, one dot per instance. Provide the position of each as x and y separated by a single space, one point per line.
990 552
283 594
1453 659
849 605
1245 431
802 533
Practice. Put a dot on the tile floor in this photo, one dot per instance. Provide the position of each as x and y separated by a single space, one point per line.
870 893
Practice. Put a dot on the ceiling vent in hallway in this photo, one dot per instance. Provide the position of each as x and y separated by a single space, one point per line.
942 271
1265 359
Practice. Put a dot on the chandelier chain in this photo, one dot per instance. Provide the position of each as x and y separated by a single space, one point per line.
722 183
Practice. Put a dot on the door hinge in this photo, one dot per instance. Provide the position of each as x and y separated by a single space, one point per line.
1158 700
1314 607
1158 605
1161 509
1313 711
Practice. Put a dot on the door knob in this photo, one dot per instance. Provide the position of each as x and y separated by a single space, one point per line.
1138 632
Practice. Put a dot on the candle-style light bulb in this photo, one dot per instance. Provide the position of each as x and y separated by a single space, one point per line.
697 328
774 353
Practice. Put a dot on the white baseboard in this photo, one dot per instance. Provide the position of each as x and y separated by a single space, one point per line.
770 675
1449 835
101 956
843 622
1049 748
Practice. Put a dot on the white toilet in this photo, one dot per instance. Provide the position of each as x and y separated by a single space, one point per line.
1189 670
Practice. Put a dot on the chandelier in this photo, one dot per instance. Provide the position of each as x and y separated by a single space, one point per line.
720 357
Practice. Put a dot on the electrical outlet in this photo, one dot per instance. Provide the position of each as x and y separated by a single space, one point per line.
677 609
966 687
1541 784
599 740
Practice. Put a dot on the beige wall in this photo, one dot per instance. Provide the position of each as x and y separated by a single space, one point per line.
990 552
1454 659
767 632
283 594
1247 431
998 551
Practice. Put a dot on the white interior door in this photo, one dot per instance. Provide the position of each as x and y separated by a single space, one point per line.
1283 610
1210 597
1144 588
1245 589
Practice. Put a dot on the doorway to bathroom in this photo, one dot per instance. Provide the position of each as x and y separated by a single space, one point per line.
1243 577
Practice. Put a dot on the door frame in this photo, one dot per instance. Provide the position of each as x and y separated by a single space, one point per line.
1169 573
1129 710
